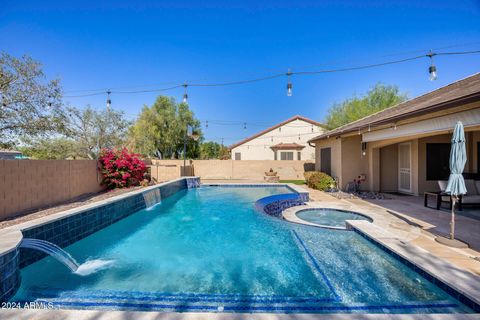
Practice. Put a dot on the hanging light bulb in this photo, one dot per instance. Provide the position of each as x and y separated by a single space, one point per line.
369 128
432 70
289 84
109 102
244 125
206 124
49 104
185 95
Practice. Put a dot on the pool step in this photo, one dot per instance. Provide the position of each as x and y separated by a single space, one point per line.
148 301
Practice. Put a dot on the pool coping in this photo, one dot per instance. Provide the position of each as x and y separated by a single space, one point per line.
30 314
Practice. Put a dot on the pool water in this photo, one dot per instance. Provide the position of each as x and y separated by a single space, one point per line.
329 217
207 249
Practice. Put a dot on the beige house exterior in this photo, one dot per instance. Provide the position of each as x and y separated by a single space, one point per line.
287 140
405 148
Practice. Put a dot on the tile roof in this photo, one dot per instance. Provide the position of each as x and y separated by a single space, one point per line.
297 117
465 90
287 146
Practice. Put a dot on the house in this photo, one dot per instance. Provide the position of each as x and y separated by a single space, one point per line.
10 154
405 148
284 141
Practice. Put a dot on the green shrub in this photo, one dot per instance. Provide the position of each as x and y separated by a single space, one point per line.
319 180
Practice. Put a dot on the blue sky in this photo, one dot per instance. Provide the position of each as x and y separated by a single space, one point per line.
124 45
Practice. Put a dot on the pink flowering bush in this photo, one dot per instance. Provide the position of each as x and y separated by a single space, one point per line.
121 169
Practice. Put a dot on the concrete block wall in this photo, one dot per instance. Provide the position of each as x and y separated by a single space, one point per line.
31 184
164 170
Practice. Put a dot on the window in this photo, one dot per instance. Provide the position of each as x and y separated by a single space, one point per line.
238 156
299 156
438 155
286 155
325 160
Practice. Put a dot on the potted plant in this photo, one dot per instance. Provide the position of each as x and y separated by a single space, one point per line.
271 173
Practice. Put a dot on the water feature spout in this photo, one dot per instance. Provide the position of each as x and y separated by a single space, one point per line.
64 257
52 250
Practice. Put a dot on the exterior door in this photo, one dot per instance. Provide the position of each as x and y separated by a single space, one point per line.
405 167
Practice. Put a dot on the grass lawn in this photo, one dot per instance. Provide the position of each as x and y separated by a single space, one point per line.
293 181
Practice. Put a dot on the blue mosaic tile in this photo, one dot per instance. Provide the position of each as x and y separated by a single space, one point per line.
9 275
68 230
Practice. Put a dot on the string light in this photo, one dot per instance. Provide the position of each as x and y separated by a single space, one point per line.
185 95
206 124
109 101
432 69
289 84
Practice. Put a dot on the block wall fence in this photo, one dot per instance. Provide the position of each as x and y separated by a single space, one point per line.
164 170
27 185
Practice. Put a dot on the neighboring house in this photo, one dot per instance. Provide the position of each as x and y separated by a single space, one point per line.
284 141
405 148
10 155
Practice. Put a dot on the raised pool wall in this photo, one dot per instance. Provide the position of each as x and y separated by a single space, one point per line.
67 227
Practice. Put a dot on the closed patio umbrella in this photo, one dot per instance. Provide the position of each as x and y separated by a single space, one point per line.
458 158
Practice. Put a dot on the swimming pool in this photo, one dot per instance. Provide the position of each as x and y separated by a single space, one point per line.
208 249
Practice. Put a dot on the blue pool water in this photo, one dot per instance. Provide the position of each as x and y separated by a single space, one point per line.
207 249
329 217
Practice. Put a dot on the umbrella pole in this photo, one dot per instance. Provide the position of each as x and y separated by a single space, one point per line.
452 222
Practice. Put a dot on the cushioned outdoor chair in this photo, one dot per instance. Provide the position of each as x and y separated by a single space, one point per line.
472 197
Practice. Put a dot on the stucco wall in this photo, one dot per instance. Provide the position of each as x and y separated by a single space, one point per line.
249 169
297 131
31 184
353 162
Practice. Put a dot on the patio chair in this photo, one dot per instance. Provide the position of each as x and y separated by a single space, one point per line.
472 197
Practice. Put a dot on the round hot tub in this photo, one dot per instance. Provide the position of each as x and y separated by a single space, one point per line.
329 218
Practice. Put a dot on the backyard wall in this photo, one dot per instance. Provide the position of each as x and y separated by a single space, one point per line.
231 169
31 184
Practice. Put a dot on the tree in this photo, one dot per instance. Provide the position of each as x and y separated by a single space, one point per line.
378 98
161 128
57 148
84 134
29 104
212 150
94 130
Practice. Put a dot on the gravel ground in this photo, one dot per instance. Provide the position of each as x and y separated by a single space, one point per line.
42 212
